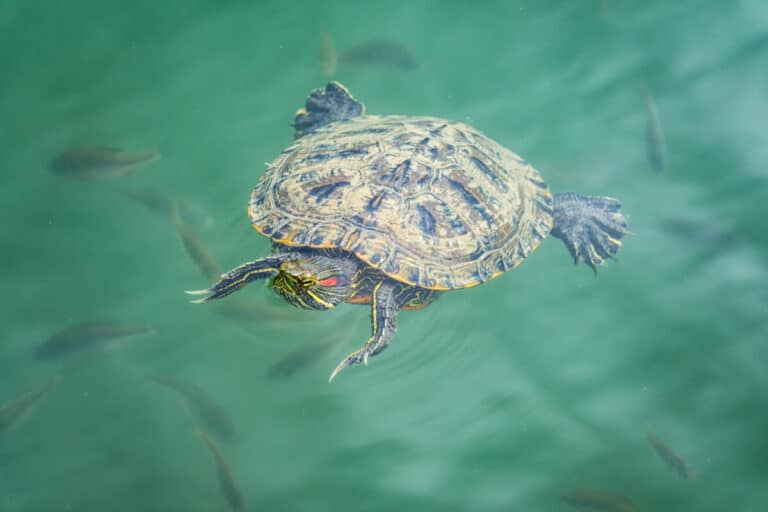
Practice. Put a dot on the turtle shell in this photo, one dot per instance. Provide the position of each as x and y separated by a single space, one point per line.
428 202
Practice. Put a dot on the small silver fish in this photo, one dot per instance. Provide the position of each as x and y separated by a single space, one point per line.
597 500
196 249
227 481
86 335
96 162
672 459
204 407
12 411
654 136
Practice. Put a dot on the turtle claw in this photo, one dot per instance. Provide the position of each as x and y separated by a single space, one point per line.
200 292
353 358
338 369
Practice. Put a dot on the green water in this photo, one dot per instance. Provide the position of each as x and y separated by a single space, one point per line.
492 399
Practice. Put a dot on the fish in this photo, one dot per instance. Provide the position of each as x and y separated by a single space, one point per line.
380 53
196 248
12 411
597 500
655 141
672 459
204 407
299 360
377 53
227 481
95 162
86 335
160 204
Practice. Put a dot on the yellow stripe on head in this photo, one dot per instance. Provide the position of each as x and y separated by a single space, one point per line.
326 305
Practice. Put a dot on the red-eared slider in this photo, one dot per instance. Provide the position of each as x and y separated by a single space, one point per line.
394 210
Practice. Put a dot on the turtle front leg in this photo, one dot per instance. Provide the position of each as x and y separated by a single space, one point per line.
242 275
383 315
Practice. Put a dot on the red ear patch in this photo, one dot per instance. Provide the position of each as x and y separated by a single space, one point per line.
331 281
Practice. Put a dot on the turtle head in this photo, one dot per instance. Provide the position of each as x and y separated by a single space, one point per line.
315 282
305 280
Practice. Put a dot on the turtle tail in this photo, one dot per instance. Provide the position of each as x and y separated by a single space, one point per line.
591 227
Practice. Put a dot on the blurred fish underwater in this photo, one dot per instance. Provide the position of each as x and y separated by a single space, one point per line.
227 483
671 458
206 410
12 411
85 336
656 144
382 54
195 247
98 162
587 499
303 358
161 204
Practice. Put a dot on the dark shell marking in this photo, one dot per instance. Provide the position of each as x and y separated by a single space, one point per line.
429 202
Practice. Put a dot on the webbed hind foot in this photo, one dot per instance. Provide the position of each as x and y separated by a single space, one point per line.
590 227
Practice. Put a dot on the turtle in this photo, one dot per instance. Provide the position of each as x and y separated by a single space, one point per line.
391 211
